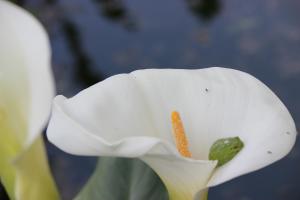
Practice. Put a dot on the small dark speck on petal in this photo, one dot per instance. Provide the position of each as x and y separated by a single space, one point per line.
288 133
206 89
269 152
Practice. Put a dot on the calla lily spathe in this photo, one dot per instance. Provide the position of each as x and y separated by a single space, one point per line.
128 115
26 91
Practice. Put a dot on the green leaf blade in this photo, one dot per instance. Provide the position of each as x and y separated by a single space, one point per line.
123 178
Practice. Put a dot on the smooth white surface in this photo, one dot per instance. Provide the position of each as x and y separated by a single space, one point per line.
25 74
128 115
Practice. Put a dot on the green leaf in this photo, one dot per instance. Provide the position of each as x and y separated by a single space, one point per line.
225 149
123 178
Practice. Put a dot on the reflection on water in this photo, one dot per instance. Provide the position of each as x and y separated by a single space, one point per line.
82 62
115 10
205 9
91 40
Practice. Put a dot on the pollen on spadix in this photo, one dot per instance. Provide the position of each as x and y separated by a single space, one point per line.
179 135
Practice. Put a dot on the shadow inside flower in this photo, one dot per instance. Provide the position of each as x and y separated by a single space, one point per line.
3 195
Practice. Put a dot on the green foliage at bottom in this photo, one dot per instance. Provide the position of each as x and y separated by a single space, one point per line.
123 178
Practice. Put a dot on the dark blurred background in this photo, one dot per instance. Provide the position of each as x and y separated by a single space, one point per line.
94 39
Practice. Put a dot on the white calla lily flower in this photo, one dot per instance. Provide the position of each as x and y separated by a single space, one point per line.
26 91
128 115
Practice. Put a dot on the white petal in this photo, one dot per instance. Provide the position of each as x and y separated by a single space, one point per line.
184 178
25 74
129 115
260 119
74 138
